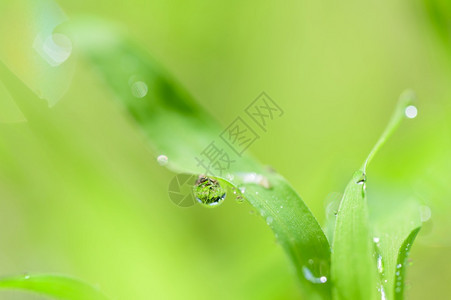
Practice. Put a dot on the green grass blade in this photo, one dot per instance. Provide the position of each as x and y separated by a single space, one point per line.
353 267
179 128
401 264
396 220
405 100
59 287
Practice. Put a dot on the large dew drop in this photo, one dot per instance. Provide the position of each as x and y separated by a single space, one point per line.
208 191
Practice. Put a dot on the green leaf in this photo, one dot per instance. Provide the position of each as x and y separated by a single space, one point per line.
59 287
353 267
401 266
396 220
177 127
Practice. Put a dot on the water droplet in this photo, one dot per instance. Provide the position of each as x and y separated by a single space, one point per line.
411 111
383 297
162 160
239 199
256 193
249 177
398 266
208 191
425 213
269 220
281 206
229 176
264 182
139 89
380 266
257 179
397 273
312 278
242 190
362 178
54 49
26 276
376 240
398 290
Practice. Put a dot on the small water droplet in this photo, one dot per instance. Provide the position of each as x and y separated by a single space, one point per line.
26 276
269 220
281 206
380 266
397 273
376 240
229 176
208 191
242 190
382 290
162 160
425 213
139 89
257 179
312 278
256 193
399 266
239 199
411 111
398 290
55 49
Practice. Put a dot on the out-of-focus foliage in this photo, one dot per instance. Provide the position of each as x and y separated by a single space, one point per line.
58 287
440 14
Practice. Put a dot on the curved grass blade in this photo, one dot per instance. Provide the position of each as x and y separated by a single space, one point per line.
59 287
394 233
179 128
401 264
353 268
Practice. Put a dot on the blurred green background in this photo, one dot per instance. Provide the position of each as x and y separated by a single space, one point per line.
82 194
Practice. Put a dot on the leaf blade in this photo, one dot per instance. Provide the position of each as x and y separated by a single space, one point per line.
60 287
352 228
191 130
